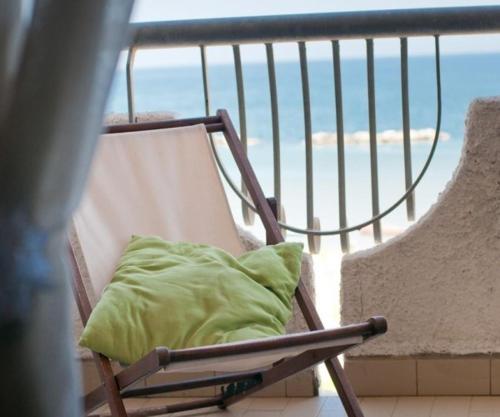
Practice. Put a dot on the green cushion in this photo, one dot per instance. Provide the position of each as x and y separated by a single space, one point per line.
183 295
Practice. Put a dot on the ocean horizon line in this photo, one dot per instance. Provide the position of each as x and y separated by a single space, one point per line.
417 55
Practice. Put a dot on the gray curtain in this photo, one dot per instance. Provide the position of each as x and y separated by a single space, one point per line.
57 58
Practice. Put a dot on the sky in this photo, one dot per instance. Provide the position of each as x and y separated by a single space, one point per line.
156 10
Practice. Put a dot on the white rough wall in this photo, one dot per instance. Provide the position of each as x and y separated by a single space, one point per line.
438 284
143 117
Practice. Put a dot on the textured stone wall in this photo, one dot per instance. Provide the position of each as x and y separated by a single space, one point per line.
438 284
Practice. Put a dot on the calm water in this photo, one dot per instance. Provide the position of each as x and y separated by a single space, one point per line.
179 90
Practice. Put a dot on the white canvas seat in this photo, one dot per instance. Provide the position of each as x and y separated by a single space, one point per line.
160 182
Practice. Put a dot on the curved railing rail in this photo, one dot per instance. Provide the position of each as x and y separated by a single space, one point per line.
334 27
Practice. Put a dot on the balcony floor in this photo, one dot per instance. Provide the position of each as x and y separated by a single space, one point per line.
329 406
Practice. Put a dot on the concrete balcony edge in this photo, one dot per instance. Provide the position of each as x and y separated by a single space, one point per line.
427 375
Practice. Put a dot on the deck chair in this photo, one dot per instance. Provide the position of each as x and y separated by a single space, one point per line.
160 178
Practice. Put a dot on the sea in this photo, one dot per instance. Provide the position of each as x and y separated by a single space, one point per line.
179 90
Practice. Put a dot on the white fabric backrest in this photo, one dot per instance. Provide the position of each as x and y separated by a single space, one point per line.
159 182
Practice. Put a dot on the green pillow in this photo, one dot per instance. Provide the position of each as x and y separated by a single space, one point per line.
184 295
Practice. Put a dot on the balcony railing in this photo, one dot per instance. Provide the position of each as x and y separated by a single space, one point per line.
333 27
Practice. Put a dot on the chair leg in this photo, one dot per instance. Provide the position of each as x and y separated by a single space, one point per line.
115 401
344 388
339 378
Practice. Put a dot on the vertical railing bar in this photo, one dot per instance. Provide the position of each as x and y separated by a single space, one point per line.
241 95
130 85
275 124
248 217
204 74
410 201
308 136
372 115
339 114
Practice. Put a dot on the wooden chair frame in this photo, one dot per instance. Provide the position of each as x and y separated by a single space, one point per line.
238 385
